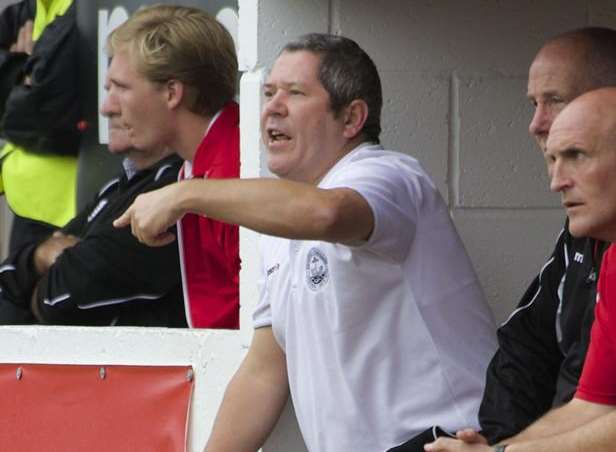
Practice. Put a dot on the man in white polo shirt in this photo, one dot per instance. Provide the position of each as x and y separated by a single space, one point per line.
370 311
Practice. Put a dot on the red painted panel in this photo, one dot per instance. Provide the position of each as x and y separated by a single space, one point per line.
75 408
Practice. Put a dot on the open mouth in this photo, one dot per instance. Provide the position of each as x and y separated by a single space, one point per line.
275 135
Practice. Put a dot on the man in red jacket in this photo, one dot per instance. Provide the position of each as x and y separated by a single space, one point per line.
171 81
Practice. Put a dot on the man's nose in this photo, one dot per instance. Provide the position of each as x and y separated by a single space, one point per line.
276 105
541 122
559 179
109 106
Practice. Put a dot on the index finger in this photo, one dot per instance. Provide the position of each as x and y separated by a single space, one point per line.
124 219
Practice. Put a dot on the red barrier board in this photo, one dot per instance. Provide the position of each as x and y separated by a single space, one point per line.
77 408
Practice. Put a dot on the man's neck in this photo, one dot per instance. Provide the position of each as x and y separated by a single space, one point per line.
190 131
337 156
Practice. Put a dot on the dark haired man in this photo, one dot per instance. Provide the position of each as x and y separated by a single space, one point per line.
370 314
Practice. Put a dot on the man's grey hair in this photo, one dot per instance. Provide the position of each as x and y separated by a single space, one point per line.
347 73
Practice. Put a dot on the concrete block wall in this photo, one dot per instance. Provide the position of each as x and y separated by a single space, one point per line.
454 80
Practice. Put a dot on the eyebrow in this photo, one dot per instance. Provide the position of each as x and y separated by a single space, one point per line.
285 85
116 82
551 93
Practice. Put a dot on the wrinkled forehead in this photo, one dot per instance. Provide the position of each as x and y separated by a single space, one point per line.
565 136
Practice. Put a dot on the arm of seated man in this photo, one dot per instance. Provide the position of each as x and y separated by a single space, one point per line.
574 427
94 281
48 251
44 256
24 268
579 425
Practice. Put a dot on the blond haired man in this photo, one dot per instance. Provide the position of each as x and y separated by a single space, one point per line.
171 81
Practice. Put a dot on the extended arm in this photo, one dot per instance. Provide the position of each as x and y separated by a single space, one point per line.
271 206
254 398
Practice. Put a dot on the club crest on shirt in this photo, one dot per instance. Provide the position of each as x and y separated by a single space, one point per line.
317 270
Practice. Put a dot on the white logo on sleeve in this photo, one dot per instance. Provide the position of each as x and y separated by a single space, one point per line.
317 270
579 257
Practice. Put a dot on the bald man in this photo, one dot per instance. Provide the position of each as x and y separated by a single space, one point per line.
581 158
543 344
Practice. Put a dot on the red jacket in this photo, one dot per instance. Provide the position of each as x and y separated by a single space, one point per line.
209 249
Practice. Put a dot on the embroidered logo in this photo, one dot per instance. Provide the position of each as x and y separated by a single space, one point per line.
317 270
273 269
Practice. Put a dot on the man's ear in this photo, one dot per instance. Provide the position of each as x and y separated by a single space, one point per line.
355 116
174 92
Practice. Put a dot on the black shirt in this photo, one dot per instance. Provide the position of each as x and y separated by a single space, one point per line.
543 344
108 278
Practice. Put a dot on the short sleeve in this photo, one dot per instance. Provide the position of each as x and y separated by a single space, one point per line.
598 381
395 187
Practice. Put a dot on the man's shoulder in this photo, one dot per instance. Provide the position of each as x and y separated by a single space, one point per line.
378 161
167 169
162 172
369 151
